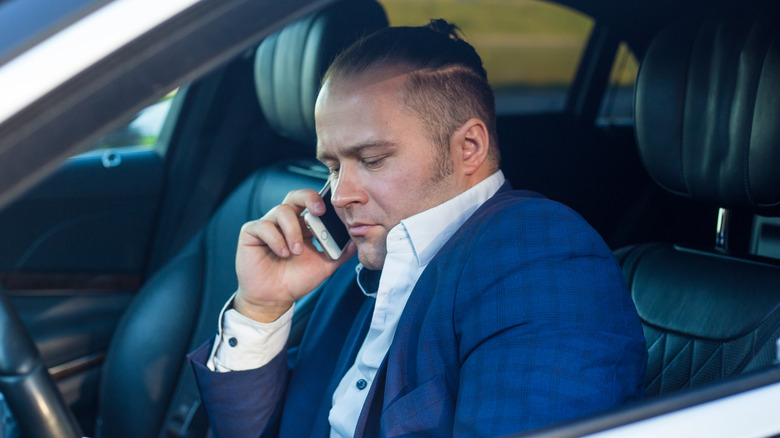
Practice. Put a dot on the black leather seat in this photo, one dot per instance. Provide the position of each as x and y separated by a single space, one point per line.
147 387
707 113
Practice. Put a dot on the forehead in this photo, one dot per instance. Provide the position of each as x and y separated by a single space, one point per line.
363 109
376 80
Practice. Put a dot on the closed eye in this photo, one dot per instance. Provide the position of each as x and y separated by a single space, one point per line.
373 162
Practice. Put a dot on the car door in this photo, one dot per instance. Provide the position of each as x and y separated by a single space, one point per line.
745 406
79 245
75 249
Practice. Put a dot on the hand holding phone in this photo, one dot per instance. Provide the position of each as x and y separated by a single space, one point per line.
328 230
275 264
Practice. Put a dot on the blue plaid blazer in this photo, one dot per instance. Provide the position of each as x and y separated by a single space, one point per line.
521 320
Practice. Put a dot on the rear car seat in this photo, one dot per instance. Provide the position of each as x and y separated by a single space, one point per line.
706 113
147 388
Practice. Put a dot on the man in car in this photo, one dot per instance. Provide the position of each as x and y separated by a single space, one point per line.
481 311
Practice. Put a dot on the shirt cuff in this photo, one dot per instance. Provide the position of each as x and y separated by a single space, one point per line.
244 344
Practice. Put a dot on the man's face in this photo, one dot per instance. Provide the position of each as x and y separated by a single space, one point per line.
383 164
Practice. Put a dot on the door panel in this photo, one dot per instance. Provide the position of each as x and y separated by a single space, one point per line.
95 214
68 325
73 329
73 253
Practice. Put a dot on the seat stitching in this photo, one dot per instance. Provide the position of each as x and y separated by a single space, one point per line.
663 360
719 350
754 335
692 364
758 340
666 364
657 340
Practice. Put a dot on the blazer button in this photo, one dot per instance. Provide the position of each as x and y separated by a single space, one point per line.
361 384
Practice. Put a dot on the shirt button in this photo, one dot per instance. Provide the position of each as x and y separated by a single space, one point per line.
233 342
361 384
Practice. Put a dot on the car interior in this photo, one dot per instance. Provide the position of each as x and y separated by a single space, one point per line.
120 262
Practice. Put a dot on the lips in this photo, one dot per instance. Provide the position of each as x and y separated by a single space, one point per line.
359 229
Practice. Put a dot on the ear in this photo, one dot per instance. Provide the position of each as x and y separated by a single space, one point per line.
470 145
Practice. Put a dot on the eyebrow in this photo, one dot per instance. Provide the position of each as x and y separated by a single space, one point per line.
356 150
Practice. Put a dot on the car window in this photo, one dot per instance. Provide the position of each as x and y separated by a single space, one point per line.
142 130
530 48
25 23
617 104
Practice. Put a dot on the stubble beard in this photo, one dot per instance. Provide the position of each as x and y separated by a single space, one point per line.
441 169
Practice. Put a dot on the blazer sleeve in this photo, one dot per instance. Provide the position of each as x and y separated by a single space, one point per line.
241 403
547 329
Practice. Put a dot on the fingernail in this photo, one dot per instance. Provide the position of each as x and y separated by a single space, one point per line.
284 252
319 207
298 248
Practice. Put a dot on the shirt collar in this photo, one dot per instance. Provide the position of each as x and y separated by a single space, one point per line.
429 230
368 280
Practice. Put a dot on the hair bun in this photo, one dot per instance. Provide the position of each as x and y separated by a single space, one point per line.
441 26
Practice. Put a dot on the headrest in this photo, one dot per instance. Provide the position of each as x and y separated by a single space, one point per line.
707 109
290 63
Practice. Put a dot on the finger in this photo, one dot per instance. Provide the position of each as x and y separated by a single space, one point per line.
289 223
264 232
305 198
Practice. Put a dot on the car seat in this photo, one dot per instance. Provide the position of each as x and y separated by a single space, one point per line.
706 117
147 387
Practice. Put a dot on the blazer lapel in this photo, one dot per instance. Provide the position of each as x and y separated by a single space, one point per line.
400 366
389 381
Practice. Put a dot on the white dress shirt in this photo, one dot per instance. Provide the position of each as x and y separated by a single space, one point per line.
243 344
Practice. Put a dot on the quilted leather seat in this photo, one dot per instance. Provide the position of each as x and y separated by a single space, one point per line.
707 114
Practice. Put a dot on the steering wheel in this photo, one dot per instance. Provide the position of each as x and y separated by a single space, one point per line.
26 384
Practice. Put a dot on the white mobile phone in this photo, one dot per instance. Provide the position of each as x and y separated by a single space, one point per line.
328 230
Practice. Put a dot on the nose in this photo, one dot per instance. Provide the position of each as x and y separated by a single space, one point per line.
346 190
